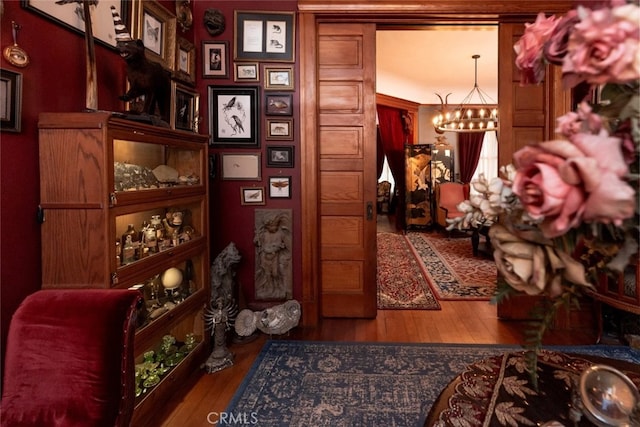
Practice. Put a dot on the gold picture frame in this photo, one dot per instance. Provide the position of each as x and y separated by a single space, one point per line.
278 78
156 27
185 61
252 196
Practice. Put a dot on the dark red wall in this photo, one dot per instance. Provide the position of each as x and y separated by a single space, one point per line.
231 222
54 81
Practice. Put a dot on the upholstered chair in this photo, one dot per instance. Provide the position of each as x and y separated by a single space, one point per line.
69 359
448 195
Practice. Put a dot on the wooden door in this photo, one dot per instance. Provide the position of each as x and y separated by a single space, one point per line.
347 169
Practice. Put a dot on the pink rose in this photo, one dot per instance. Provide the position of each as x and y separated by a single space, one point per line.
565 182
581 121
555 49
603 46
528 48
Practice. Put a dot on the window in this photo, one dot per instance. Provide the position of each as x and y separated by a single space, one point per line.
488 162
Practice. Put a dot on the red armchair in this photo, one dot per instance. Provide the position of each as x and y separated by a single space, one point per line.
69 359
448 195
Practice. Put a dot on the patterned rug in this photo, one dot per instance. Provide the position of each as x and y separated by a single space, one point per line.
401 284
303 383
451 269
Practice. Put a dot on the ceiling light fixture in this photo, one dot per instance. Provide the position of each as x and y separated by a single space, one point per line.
468 116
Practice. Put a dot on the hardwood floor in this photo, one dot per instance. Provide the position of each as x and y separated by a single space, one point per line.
473 322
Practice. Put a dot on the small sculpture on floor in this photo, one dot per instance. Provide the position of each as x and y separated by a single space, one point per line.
223 310
273 321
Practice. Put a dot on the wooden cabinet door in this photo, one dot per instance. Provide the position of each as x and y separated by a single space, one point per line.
347 169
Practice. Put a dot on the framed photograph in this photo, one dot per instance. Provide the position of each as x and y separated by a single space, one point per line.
185 107
241 166
280 157
185 61
252 195
233 116
280 187
278 78
279 129
279 104
246 72
10 101
264 36
70 15
156 27
215 60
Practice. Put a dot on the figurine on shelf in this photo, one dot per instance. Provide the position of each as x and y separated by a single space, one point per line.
146 78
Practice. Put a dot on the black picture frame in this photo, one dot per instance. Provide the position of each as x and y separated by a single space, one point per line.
280 156
10 101
185 107
69 17
278 104
264 36
215 59
280 187
233 116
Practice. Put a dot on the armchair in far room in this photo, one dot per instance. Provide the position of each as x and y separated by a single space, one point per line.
69 359
447 196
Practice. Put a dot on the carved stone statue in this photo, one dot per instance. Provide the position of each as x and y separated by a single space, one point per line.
223 308
273 254
273 321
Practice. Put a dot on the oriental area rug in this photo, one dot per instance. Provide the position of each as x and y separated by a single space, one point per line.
304 383
451 269
401 284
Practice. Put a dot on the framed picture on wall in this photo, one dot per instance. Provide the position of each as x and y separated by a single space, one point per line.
185 108
185 61
279 129
280 156
156 27
264 36
241 166
246 72
252 195
69 15
278 78
10 101
233 116
280 187
215 60
279 104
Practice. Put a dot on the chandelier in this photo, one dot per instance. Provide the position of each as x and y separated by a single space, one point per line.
468 116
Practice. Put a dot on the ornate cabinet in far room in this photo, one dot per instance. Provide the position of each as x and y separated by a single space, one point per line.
418 191
101 177
425 166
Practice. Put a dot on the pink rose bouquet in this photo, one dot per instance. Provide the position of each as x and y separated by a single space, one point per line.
566 211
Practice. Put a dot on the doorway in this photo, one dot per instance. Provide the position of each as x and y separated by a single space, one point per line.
311 13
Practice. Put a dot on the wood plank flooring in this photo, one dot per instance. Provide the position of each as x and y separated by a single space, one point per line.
204 395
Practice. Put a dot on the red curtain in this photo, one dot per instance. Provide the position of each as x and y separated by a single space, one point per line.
393 138
469 147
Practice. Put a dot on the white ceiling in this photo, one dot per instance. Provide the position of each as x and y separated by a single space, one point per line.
416 64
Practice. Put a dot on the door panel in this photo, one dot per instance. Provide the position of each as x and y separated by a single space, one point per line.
347 175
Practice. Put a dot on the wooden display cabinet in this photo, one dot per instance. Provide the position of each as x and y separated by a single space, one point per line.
96 178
